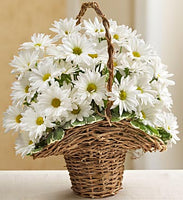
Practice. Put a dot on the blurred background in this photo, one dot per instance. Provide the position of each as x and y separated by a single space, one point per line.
159 22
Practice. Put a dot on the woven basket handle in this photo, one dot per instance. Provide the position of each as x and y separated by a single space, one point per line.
110 66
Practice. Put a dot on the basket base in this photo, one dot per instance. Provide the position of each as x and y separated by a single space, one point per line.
97 173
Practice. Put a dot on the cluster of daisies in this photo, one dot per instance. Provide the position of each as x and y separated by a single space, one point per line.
63 80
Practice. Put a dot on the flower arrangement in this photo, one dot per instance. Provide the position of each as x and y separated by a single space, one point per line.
61 83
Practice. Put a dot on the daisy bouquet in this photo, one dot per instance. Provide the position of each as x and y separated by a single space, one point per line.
61 83
91 92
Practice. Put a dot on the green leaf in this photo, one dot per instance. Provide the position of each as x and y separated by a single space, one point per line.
153 131
105 70
127 115
56 135
115 111
164 135
78 123
91 119
88 120
127 71
98 118
116 117
64 78
36 150
146 128
118 76
140 125
67 125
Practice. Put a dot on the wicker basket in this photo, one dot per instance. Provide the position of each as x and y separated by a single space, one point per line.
95 153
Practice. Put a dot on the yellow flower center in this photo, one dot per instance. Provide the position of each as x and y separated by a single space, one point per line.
116 36
76 111
77 50
55 102
93 55
101 30
37 45
91 88
39 121
66 32
168 127
46 76
136 54
122 95
140 89
27 89
18 118
96 30
30 142
143 114
115 64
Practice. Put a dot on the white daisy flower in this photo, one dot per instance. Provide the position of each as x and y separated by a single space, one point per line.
160 72
139 50
56 51
63 67
21 90
39 42
76 48
124 95
95 29
35 122
169 122
91 86
25 61
13 118
23 144
134 67
118 63
55 101
146 94
163 95
121 34
65 27
79 111
147 114
40 77
99 57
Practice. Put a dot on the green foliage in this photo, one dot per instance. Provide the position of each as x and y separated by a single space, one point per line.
88 120
146 128
127 71
78 123
54 136
116 116
159 132
105 71
64 77
164 135
34 98
118 76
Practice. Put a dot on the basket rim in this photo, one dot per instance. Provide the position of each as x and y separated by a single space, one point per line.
122 130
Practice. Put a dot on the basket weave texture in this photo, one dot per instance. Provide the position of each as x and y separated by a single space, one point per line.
95 153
